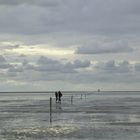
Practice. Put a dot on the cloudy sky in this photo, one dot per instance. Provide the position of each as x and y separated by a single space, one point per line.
69 45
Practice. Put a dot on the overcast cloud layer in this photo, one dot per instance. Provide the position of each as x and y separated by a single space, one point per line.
69 45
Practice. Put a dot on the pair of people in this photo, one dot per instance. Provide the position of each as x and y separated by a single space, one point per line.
58 96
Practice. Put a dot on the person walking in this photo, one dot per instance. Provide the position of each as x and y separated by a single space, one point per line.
59 95
56 96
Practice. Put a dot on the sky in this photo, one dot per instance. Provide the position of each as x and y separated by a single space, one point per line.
69 45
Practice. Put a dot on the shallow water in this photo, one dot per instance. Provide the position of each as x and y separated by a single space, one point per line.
91 116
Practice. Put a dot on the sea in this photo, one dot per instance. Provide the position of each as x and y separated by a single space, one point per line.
88 115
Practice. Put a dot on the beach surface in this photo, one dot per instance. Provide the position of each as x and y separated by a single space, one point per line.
87 116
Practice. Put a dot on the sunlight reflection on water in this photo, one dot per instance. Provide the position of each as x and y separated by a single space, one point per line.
34 132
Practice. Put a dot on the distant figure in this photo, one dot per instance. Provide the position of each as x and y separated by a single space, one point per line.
56 96
59 95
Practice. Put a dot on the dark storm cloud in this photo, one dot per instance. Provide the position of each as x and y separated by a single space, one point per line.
104 48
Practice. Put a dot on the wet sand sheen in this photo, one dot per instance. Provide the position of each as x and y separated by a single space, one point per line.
96 116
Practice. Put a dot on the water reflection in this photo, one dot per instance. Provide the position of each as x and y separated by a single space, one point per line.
58 107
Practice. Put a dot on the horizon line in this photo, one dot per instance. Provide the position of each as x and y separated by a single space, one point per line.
67 91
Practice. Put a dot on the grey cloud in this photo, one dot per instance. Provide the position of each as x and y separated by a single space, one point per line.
85 17
2 59
22 55
4 66
11 74
15 69
47 64
107 78
114 67
27 65
78 64
96 48
81 64
137 67
45 60
7 2
9 47
25 62
47 69
3 63
89 77
72 23
29 2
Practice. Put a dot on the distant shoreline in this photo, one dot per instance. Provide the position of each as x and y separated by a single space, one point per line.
63 91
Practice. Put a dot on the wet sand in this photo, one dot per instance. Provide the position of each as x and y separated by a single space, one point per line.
96 116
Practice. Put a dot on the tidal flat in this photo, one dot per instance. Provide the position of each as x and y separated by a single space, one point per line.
85 115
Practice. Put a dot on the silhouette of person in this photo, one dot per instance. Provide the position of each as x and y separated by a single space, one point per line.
56 96
59 95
